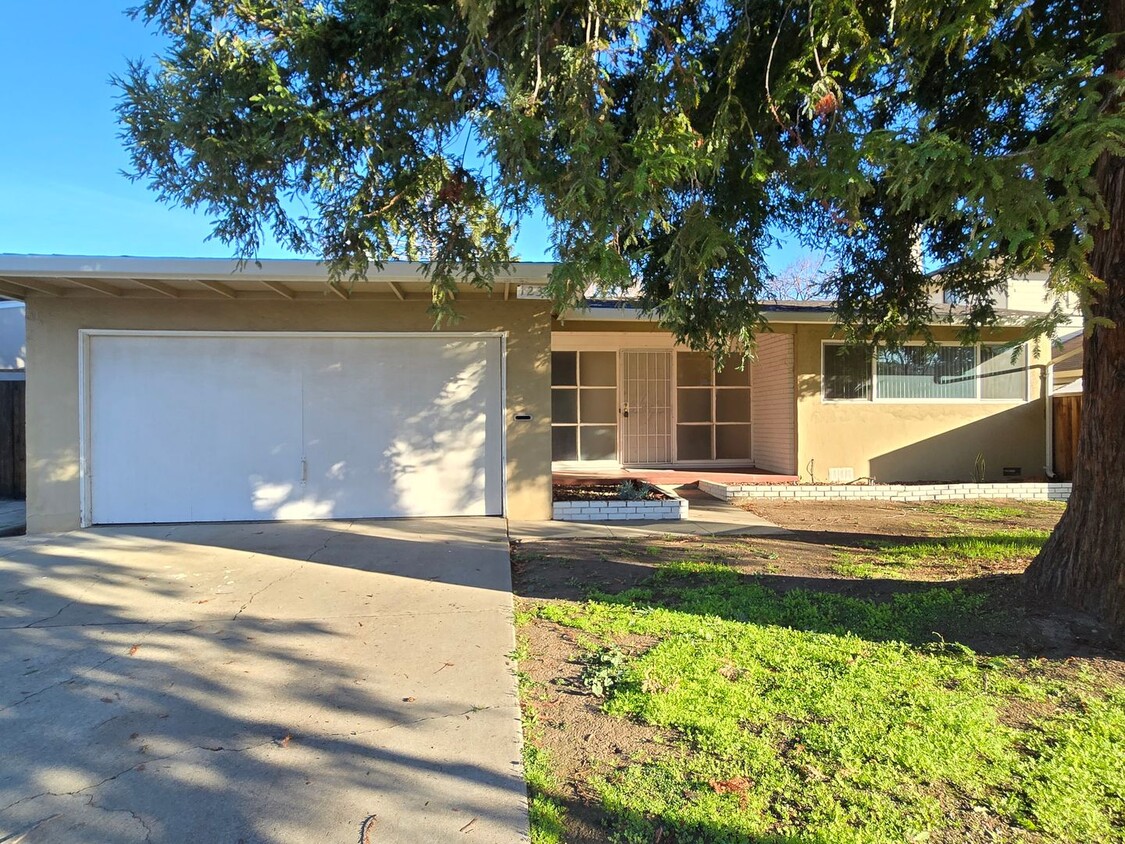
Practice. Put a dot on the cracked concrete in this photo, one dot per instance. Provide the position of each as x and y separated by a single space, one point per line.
259 683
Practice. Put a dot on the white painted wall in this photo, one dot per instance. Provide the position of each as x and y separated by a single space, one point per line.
772 404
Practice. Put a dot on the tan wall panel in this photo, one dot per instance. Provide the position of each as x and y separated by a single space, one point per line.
904 441
53 388
773 436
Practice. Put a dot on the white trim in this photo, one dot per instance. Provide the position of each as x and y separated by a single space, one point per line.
117 332
220 269
508 417
85 335
977 399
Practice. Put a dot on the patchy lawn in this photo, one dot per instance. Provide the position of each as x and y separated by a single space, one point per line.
750 690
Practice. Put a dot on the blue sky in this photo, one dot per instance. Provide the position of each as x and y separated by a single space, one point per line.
61 188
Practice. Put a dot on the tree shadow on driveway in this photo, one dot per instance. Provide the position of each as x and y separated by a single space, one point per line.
237 684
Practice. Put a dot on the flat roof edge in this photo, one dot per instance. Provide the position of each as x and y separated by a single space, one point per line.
224 269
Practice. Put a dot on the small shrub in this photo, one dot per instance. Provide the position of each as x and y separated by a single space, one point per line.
602 670
633 491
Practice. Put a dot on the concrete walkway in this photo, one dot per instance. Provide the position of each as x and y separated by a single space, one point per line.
310 682
707 516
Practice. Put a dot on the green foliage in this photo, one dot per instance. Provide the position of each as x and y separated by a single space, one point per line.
633 491
989 511
815 717
992 547
667 142
546 812
602 670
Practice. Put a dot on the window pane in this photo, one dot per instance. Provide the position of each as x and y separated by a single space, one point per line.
916 372
564 442
731 376
732 406
598 406
847 373
999 377
693 369
694 405
693 442
564 405
599 442
732 442
598 369
564 369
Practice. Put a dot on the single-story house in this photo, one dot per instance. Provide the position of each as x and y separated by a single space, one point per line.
178 390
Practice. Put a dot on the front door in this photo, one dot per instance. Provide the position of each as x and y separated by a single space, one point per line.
646 408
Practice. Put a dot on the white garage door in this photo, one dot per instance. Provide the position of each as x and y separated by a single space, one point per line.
212 427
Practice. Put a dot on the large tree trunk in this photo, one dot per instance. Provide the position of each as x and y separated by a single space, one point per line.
1083 563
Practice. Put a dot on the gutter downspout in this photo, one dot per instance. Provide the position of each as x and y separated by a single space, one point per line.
1048 389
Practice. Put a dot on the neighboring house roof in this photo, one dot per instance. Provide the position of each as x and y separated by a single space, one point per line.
1074 388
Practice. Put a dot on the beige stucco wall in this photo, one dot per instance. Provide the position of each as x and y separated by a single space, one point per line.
913 441
53 382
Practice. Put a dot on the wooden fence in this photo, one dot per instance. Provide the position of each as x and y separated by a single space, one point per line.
13 449
1067 411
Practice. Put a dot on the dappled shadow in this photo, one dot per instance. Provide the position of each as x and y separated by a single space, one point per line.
586 817
256 685
994 618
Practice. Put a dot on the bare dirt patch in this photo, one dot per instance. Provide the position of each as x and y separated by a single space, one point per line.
886 518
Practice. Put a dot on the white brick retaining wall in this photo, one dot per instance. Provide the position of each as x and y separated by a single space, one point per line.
1030 491
665 509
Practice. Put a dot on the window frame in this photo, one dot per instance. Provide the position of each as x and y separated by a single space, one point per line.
713 424
977 398
578 424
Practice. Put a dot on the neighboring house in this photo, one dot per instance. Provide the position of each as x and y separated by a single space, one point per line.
182 390
13 341
1027 293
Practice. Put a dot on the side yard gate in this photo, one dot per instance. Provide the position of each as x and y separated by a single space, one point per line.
13 449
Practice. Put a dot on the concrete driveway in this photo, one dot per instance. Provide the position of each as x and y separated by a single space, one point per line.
312 682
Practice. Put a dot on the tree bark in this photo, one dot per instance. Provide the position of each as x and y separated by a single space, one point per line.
1083 563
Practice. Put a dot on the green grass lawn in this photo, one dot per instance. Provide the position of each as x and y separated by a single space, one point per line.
895 559
817 718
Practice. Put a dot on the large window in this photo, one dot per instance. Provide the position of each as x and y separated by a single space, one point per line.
584 405
1002 372
919 373
712 409
847 373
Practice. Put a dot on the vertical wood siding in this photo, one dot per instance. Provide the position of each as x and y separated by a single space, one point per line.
772 406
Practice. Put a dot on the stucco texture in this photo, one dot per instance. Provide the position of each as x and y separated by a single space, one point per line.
53 325
914 441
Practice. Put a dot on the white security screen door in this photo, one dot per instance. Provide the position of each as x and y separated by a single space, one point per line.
213 427
646 408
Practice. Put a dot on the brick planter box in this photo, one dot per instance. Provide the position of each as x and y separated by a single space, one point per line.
1030 491
665 509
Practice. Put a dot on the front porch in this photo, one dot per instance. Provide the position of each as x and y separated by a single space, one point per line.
678 478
